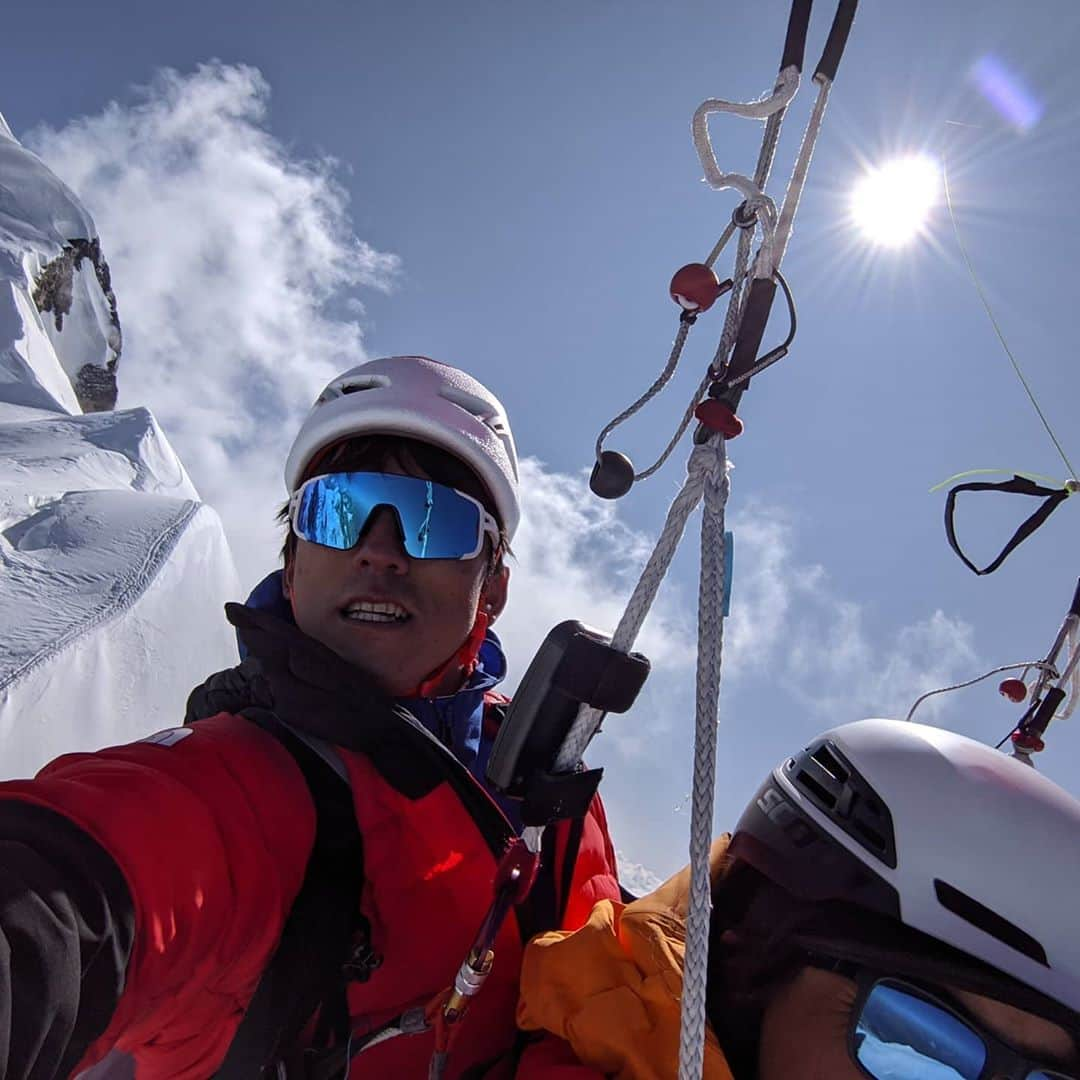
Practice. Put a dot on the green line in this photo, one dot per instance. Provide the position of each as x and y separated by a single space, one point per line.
994 322
1038 477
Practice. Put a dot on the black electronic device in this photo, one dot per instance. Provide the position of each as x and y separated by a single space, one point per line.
575 665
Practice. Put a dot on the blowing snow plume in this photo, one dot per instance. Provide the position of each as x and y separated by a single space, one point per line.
227 252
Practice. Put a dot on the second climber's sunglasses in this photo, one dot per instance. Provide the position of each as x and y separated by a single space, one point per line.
436 521
902 1031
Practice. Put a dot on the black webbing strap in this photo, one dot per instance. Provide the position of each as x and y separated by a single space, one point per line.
573 846
1018 485
306 969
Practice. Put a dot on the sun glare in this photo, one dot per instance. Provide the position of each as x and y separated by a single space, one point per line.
891 203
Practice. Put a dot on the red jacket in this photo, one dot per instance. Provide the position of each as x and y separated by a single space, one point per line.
211 827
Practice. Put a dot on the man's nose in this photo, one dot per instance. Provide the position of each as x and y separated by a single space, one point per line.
380 546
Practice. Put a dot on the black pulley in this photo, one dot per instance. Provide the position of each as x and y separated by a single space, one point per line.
612 476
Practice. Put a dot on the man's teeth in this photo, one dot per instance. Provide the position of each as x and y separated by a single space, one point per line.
372 612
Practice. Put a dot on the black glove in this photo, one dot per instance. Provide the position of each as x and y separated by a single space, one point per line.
232 690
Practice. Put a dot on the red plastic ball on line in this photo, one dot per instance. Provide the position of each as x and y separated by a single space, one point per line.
716 416
1013 689
1029 743
695 287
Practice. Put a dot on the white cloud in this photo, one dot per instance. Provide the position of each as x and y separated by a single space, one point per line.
788 620
226 250
791 632
236 268
638 879
575 559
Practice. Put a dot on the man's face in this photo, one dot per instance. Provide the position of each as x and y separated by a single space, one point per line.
440 598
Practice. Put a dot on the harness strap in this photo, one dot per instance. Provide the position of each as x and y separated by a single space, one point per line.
1018 485
305 971
320 949
566 878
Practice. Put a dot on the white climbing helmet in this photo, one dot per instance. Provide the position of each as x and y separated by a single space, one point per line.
420 399
937 831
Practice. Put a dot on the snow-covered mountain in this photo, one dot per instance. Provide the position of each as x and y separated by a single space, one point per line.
112 571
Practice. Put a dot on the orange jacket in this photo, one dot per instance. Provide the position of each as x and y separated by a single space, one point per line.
612 988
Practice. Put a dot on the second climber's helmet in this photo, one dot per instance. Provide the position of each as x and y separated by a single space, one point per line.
944 835
422 399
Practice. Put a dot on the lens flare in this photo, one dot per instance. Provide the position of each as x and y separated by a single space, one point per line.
891 203
1014 101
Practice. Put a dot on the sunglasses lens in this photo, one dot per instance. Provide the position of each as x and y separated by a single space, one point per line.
900 1035
436 522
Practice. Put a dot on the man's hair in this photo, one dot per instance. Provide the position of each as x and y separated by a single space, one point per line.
372 453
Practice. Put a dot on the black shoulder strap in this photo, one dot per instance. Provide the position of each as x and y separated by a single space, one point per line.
318 934
550 893
1018 485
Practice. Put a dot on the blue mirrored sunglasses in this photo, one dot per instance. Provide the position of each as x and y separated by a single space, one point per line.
901 1031
436 521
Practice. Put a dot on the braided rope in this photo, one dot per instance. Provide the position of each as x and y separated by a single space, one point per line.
798 179
735 308
767 219
727 339
1027 665
588 719
767 153
786 86
661 381
710 652
1071 674
707 477
720 244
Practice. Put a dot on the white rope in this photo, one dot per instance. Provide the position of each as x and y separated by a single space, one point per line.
767 152
727 339
588 719
765 215
661 381
735 309
684 423
707 477
720 244
1071 674
1048 669
787 84
710 651
1027 665
798 180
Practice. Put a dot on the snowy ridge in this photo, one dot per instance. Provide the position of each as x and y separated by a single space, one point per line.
48 604
112 572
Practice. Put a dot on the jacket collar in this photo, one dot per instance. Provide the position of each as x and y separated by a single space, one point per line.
457 719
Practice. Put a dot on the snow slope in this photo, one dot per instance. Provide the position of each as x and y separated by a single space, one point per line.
112 572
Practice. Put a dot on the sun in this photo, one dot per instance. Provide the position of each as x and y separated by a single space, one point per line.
891 203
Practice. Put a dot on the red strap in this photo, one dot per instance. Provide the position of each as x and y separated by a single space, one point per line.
466 658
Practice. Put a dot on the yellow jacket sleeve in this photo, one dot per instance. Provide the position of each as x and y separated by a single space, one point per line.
612 988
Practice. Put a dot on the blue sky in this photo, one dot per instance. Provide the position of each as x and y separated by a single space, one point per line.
511 189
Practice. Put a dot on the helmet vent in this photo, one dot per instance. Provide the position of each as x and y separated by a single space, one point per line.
830 763
362 382
477 406
990 922
827 779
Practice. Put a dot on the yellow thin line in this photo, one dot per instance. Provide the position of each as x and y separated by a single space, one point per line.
999 472
994 322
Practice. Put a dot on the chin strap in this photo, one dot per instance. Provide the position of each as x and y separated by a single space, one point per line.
466 658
